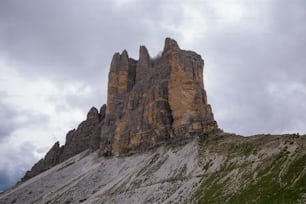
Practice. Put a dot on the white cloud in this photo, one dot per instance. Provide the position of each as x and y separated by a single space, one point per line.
44 112
229 11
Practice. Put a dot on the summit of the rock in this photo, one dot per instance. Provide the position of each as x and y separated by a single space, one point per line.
170 44
93 113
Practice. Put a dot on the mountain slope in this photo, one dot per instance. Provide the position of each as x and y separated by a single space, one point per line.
222 168
154 176
257 169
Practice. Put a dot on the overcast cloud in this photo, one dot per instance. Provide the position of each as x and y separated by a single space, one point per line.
55 56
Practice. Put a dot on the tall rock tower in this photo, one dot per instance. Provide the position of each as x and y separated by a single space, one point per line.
151 101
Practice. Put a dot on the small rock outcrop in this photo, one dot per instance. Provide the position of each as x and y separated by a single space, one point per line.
79 140
151 101
86 136
50 160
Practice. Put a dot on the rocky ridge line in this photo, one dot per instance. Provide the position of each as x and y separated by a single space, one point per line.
86 136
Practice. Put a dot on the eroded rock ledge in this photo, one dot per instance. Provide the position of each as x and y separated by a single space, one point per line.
150 101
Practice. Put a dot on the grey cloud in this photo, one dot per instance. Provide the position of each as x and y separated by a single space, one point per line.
6 125
14 163
74 40
9 115
5 182
72 37
246 63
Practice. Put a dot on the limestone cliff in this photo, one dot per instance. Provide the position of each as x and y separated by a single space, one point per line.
151 101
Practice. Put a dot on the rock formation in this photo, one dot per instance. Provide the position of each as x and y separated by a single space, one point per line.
154 101
86 136
50 160
80 139
149 102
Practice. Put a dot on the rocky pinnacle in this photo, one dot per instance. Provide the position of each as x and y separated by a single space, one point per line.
149 102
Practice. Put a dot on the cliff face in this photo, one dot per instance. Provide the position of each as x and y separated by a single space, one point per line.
151 101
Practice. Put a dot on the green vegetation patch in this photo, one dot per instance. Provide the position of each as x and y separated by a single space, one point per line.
272 187
211 190
280 179
243 149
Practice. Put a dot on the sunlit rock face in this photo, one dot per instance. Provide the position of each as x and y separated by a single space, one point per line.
152 101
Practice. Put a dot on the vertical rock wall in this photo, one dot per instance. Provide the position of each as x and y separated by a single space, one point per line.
187 97
153 101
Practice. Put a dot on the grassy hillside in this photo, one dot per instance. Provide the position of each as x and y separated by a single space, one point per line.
258 169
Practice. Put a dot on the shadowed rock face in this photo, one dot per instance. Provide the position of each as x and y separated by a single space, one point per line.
50 160
79 140
86 136
153 101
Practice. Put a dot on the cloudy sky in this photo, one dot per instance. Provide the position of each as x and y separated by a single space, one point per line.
55 56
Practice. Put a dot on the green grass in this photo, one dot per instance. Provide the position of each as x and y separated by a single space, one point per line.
294 171
243 149
211 190
272 187
278 181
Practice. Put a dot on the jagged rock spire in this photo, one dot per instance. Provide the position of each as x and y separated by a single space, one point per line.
143 64
115 62
92 113
124 61
170 44
102 111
